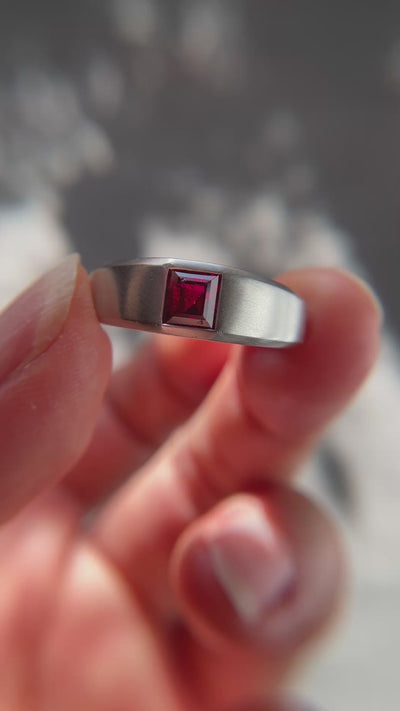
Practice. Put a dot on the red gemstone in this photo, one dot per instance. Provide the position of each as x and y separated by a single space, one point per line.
191 299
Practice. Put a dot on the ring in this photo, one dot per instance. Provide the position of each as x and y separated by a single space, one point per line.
198 300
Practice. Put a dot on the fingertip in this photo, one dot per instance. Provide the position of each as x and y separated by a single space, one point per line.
309 384
83 316
324 285
83 340
364 288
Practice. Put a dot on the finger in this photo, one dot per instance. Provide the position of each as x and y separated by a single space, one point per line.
260 418
146 400
54 367
262 570
71 635
257 579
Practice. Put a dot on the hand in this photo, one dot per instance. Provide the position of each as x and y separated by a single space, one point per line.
200 580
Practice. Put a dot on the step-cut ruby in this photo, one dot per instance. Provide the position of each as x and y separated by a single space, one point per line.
191 299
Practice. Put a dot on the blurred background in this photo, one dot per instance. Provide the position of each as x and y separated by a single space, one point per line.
258 133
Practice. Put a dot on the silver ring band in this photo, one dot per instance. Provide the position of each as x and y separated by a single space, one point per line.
198 300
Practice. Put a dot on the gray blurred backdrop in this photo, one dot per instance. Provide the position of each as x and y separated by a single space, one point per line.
263 133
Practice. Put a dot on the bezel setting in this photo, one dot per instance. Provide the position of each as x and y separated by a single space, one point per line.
191 298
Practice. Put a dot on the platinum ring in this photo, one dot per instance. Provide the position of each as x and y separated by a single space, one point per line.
198 300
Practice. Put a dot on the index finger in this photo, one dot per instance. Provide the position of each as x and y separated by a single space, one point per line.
149 397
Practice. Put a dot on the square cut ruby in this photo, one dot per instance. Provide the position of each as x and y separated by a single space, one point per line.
191 299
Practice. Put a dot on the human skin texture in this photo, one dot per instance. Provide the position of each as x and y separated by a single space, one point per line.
202 575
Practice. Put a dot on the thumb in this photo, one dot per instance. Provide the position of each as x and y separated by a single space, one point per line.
54 368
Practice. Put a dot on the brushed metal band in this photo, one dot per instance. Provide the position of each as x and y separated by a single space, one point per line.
248 309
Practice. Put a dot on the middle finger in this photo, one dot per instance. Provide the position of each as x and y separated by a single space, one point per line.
146 400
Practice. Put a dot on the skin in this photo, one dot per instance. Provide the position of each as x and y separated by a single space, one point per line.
123 610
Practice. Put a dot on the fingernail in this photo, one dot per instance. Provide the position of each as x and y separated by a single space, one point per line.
251 561
35 319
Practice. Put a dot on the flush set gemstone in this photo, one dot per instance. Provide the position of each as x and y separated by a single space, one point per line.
191 299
